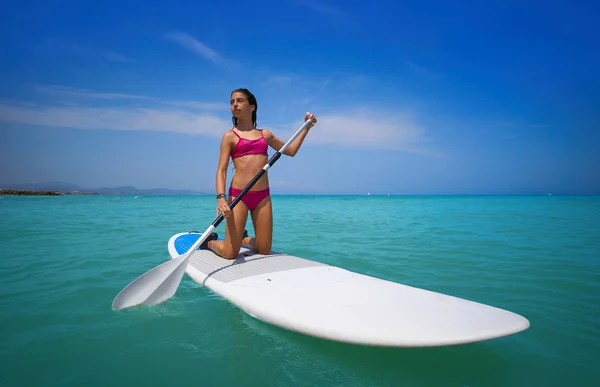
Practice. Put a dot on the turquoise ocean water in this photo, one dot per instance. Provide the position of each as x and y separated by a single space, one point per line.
64 259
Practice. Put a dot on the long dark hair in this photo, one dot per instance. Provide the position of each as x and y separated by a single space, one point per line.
251 100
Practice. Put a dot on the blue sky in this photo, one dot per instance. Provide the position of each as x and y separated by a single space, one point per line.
423 97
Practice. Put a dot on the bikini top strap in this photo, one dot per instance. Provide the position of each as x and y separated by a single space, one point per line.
236 134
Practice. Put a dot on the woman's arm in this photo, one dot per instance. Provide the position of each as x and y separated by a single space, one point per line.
226 146
223 161
294 147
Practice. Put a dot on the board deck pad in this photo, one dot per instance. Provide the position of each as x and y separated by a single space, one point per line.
247 263
329 302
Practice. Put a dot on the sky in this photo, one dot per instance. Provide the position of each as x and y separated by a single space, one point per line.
412 97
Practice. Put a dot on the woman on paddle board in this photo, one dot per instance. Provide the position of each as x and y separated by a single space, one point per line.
247 146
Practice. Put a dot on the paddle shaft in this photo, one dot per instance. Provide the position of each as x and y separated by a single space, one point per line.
264 169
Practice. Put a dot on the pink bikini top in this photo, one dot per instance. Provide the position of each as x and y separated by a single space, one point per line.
250 147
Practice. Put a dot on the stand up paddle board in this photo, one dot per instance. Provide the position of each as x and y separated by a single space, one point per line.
332 303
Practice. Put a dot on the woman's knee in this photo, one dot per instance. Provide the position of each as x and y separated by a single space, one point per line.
263 248
224 249
230 253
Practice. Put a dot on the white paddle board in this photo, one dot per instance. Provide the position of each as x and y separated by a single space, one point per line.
333 303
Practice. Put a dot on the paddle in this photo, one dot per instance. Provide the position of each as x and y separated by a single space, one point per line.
161 282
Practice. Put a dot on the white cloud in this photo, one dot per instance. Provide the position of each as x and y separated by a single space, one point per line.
196 46
69 92
369 129
86 109
165 120
365 128
83 93
364 123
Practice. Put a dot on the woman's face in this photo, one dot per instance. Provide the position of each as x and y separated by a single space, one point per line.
240 107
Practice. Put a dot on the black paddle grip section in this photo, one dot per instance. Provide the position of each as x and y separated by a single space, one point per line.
274 158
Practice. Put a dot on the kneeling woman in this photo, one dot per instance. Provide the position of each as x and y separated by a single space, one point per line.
247 146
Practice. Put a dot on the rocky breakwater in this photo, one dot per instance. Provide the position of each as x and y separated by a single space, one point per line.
19 192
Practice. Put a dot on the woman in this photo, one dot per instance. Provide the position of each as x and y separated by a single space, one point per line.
247 146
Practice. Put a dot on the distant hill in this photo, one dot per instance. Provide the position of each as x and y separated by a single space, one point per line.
125 190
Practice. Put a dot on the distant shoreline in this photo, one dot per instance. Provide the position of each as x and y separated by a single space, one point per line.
35 192
66 189
45 192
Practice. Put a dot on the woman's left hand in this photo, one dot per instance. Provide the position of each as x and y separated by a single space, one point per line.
311 117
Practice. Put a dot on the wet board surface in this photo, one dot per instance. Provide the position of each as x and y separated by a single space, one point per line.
333 303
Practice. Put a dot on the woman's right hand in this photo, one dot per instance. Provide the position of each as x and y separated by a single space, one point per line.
223 207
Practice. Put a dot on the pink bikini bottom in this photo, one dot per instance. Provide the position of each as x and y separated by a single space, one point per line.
252 198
